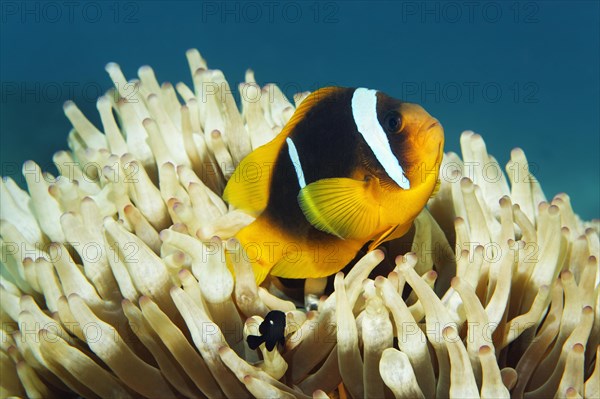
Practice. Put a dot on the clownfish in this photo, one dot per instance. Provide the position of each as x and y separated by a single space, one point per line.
272 331
351 166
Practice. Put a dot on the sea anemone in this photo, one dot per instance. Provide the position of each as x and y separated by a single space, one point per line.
115 283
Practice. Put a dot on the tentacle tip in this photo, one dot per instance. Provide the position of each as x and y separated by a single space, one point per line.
379 281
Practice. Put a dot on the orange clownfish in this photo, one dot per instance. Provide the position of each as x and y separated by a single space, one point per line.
351 166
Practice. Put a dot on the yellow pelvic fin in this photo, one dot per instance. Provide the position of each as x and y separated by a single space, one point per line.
260 272
390 234
248 187
344 207
436 189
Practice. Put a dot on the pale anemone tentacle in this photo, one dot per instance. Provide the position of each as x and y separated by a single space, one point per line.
113 267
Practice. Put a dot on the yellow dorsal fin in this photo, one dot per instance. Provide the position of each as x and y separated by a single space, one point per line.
248 187
344 207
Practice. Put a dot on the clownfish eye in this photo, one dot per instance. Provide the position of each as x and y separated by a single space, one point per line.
393 122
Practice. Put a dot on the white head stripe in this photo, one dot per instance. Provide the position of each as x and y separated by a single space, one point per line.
364 110
296 162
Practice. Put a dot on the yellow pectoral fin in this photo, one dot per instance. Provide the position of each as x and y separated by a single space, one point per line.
344 207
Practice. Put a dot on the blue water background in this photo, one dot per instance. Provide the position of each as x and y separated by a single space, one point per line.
521 74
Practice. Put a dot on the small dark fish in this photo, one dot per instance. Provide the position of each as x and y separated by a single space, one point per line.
272 331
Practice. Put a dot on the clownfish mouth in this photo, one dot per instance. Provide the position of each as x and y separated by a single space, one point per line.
438 161
434 133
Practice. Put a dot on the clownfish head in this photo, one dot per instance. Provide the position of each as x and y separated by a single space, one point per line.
404 139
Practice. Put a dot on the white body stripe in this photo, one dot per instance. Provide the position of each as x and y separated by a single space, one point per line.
364 110
296 162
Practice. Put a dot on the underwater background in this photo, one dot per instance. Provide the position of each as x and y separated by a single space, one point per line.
522 74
